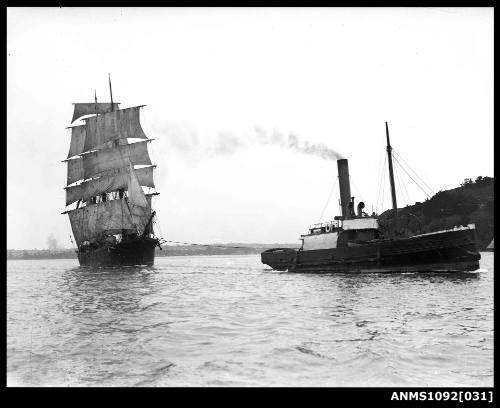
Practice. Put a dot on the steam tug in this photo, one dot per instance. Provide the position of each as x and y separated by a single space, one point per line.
353 242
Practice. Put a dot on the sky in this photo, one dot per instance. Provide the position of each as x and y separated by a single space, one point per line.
223 86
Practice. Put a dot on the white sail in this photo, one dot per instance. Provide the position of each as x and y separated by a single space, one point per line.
119 124
78 137
91 222
98 162
101 154
107 184
91 108
138 202
77 141
116 158
135 194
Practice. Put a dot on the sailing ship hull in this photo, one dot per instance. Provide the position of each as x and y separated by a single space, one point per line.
126 253
449 251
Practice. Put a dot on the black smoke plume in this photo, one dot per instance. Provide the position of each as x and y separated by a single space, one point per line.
225 143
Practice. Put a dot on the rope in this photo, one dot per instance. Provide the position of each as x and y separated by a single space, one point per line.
210 245
398 186
380 163
415 173
383 193
69 233
156 225
328 200
404 186
381 166
380 172
418 185
398 179
381 186
356 187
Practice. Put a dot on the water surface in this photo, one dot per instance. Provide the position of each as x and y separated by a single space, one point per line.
231 321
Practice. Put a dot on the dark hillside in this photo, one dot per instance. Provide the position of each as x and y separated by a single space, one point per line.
471 203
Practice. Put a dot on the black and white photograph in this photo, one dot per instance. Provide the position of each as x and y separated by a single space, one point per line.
250 197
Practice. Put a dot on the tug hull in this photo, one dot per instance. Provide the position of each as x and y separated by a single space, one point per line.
444 251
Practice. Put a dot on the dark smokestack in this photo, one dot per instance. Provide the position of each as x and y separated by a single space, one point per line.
345 187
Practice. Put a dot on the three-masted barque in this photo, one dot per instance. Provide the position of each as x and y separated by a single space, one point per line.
108 163
353 242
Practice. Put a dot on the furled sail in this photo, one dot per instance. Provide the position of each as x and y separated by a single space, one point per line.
138 202
77 141
95 163
91 108
91 222
119 124
108 183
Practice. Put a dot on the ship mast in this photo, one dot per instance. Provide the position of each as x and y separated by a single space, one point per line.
391 178
111 92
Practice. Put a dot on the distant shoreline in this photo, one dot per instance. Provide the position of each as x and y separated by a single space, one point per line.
178 250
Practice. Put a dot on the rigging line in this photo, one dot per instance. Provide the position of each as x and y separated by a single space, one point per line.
381 162
398 180
404 189
156 226
383 159
328 199
380 178
410 201
397 186
69 233
383 192
381 183
216 246
379 166
415 173
159 229
356 187
418 185
413 180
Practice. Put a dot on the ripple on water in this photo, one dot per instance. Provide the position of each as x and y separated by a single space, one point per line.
229 321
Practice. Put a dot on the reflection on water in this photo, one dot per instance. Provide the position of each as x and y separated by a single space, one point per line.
229 320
